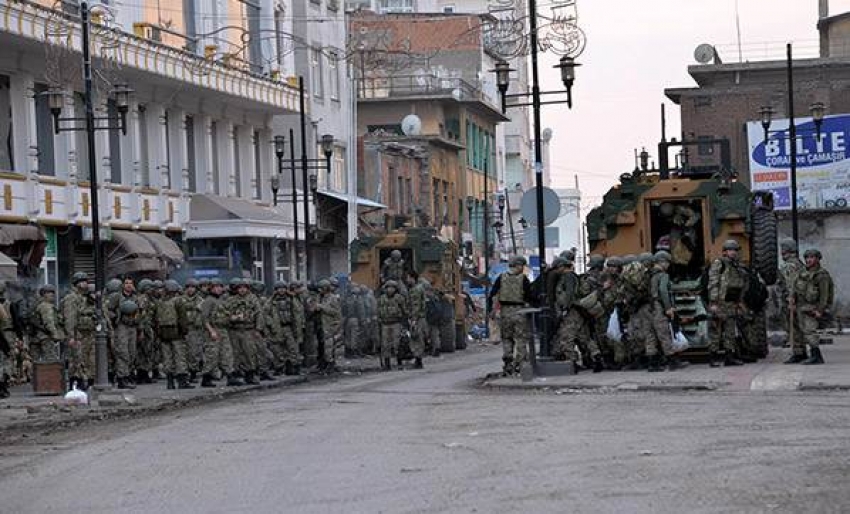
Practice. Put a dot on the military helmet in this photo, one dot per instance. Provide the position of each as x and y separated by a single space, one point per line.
191 282
395 254
615 262
46 288
215 282
558 262
813 252
145 285
258 286
391 283
666 209
128 307
662 256
596 261
568 255
788 245
334 281
629 258
172 286
113 286
281 284
158 284
518 261
323 283
296 284
204 282
236 281
80 276
645 257
731 244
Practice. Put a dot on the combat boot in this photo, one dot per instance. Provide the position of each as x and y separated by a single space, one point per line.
288 368
234 381
250 379
388 366
715 360
183 382
4 390
797 358
732 360
598 365
816 358
675 363
193 377
417 364
399 361
264 376
207 380
654 364
123 383
169 381
507 366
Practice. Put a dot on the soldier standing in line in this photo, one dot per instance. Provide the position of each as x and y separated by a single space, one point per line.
145 339
418 295
355 312
218 353
204 287
633 295
814 293
265 357
579 324
191 326
80 317
663 312
727 283
313 341
434 319
244 328
330 319
566 284
278 320
157 293
392 311
45 346
126 332
393 267
790 269
298 323
614 267
111 302
371 341
513 291
167 323
8 340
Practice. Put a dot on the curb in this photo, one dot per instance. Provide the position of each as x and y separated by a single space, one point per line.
579 388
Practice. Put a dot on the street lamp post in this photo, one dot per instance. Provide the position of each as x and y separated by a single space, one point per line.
279 147
121 94
295 242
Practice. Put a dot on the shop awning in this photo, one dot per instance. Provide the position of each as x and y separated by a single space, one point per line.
165 247
8 268
216 217
130 252
361 202
11 234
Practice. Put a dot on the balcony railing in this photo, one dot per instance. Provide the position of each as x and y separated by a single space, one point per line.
403 86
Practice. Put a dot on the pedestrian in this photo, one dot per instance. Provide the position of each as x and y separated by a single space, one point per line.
167 323
434 319
299 319
244 330
392 311
812 298
660 333
727 285
80 320
218 352
512 290
280 320
372 341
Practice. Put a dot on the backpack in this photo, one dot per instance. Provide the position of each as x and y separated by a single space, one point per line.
831 283
635 277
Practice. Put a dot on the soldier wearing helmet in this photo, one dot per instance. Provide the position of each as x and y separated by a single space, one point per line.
80 320
393 267
125 330
44 346
329 311
297 296
169 337
8 340
418 295
789 270
245 326
218 352
812 297
583 314
280 321
147 344
392 312
265 356
727 285
512 290
659 342
613 351
191 326
354 311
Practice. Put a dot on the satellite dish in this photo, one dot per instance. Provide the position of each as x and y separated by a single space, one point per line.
546 135
411 125
457 94
705 53
551 206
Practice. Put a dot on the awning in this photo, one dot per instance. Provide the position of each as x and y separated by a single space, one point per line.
131 252
165 247
11 234
361 202
216 217
8 268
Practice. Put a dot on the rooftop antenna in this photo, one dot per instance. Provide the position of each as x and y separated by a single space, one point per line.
738 29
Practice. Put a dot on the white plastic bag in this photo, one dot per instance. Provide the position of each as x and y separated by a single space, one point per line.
680 341
76 397
615 332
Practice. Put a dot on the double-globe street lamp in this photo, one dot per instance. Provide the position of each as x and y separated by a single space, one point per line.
56 101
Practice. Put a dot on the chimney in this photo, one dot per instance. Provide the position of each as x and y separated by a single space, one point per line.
823 27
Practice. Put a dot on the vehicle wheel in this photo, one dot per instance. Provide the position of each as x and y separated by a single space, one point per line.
460 336
829 204
447 337
841 203
763 248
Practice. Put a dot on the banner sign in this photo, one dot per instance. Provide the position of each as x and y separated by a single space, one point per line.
823 163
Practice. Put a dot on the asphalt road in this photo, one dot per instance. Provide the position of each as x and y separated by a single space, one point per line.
431 441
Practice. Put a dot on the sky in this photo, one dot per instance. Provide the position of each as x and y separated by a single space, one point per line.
636 49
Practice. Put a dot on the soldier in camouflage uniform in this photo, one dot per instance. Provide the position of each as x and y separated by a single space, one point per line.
355 313
513 291
279 317
635 304
727 284
167 323
617 349
111 300
265 357
371 329
218 352
566 287
790 269
393 267
299 320
329 310
418 325
146 301
245 322
812 297
579 326
45 346
192 326
80 316
126 332
663 312
204 287
392 312
8 341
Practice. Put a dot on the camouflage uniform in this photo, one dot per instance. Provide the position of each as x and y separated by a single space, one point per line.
192 327
371 330
813 299
392 312
126 332
566 289
244 327
662 305
8 339
146 337
80 315
355 314
218 352
513 291
280 322
579 326
434 319
727 283
610 300
417 320
299 320
167 323
45 346
788 273
312 324
330 318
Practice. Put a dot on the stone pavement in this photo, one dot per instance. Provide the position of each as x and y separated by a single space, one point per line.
769 374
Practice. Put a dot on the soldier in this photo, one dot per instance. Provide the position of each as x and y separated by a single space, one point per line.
355 313
265 357
579 325
126 333
434 318
633 293
279 327
393 267
617 349
146 302
790 269
8 342
727 284
513 291
45 346
167 323
392 311
663 313
299 319
218 352
204 287
371 340
330 319
418 295
80 317
244 330
191 326
812 299
566 288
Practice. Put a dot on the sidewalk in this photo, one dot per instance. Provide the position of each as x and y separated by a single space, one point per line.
769 374
24 412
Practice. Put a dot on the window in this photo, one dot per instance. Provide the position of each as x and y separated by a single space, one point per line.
144 164
391 6
280 40
409 198
114 143
258 168
7 162
705 149
166 126
316 72
191 166
44 133
399 198
448 9
71 7
333 76
191 29
255 51
216 168
81 141
237 175
339 168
